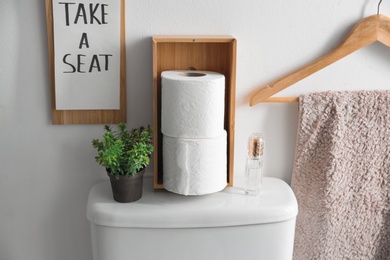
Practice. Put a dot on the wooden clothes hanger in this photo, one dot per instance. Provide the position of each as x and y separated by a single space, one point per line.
371 29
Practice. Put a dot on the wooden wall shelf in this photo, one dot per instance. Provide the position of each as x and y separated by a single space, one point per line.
207 53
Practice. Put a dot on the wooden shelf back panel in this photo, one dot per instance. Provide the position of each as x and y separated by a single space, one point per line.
204 53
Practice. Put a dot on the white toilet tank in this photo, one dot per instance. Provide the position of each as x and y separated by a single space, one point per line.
220 226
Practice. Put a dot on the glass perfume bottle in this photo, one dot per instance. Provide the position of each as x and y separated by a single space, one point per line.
254 164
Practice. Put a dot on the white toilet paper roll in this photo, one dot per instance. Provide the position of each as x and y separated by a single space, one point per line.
192 104
195 166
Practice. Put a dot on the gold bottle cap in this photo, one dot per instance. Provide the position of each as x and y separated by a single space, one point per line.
256 146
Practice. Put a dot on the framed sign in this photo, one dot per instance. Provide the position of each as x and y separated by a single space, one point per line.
87 60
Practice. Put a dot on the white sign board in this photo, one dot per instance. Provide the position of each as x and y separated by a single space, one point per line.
87 54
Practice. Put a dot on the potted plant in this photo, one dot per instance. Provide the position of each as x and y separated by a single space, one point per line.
125 154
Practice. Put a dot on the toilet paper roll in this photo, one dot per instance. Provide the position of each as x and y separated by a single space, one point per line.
192 104
195 166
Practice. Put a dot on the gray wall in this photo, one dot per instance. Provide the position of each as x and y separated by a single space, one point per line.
46 171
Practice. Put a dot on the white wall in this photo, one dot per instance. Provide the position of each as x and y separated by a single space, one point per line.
46 171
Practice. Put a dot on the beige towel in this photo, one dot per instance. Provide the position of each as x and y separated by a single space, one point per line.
341 176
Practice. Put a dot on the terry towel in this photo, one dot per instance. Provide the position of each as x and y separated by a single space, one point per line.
341 176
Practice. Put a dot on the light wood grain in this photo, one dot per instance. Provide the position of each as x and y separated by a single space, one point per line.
371 29
281 100
208 53
60 117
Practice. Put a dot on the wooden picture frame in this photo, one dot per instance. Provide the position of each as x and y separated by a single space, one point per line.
87 116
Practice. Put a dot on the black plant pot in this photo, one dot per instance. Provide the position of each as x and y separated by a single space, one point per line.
127 188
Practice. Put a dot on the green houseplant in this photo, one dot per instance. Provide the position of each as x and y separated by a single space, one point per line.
125 154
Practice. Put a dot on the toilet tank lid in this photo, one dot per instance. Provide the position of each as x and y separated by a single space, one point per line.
162 209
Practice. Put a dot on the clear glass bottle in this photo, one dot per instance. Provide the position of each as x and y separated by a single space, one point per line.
254 164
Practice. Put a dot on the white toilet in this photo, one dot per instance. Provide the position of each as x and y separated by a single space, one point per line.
224 225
